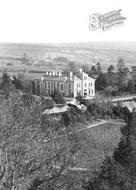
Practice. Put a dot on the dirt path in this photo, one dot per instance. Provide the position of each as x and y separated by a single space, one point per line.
100 123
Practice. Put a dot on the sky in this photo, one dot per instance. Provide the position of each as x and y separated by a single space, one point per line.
62 21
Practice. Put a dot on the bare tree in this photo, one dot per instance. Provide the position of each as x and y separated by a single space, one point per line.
34 152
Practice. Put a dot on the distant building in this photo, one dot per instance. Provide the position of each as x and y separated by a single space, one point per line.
87 84
68 85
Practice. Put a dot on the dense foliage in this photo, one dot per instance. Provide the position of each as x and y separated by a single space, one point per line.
34 152
119 171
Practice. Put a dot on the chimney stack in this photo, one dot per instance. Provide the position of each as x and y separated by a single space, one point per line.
60 74
80 70
42 78
66 78
71 74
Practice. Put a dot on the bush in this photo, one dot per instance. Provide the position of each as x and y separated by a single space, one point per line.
122 152
58 98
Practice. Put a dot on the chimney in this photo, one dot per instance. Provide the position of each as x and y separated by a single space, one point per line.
42 78
80 70
71 74
47 73
50 73
60 74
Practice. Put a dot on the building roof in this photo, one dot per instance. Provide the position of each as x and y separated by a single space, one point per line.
91 78
80 76
55 78
32 76
56 109
38 76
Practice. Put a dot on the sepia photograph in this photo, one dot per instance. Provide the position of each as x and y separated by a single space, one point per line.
67 95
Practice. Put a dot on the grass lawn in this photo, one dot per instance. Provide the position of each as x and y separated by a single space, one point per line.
96 143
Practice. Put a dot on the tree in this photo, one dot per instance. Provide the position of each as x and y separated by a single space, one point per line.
122 80
34 152
85 68
126 70
110 91
72 66
93 70
133 68
119 172
18 83
98 68
80 99
110 69
111 76
57 97
111 176
120 64
6 84
25 59
122 152
130 86
61 59
101 82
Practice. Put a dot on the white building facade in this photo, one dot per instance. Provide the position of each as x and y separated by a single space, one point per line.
69 86
88 85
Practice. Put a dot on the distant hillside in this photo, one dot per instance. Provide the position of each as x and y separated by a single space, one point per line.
105 52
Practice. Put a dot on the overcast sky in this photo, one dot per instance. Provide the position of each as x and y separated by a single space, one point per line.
56 21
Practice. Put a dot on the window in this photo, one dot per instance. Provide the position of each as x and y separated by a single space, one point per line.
69 85
92 91
48 84
45 84
85 77
61 86
51 85
85 84
90 84
77 85
85 92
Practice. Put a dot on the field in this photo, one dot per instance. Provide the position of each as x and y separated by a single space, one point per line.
96 143
105 53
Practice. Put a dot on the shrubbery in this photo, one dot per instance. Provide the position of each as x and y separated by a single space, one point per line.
118 172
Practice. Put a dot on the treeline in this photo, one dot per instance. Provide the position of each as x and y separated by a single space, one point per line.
9 84
95 111
115 81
